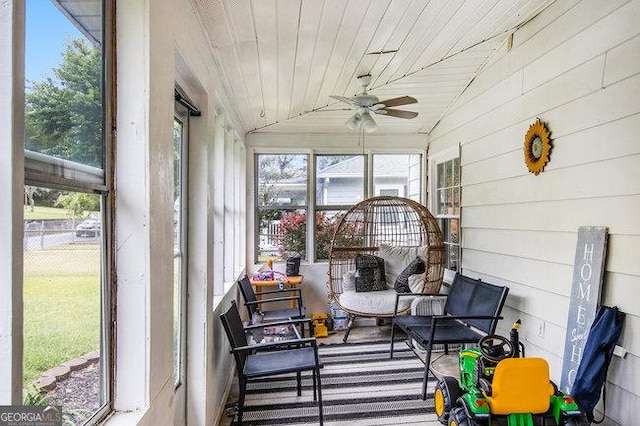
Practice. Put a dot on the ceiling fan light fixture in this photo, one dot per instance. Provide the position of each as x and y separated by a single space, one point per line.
353 123
368 125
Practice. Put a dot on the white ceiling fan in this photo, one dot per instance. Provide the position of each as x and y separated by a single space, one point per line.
366 104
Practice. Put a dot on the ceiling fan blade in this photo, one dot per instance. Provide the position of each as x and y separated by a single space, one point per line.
400 113
344 99
332 109
402 100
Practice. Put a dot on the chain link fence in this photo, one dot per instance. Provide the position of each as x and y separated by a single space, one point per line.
47 244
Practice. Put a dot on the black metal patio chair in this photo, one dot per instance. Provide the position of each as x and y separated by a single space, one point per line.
472 310
252 303
270 359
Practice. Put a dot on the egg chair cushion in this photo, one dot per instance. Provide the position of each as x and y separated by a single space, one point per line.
349 281
396 260
375 303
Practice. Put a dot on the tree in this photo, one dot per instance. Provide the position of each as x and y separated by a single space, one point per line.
43 197
272 170
325 161
63 115
29 192
78 203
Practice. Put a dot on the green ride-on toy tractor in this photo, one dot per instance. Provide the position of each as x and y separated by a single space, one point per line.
498 387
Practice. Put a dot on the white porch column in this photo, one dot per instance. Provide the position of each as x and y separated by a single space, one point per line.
144 206
228 205
200 381
217 181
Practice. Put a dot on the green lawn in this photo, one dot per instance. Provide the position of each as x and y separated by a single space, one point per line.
40 212
61 307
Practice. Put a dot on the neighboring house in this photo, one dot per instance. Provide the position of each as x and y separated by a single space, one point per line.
340 183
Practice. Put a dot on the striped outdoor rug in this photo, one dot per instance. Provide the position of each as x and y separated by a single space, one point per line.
360 386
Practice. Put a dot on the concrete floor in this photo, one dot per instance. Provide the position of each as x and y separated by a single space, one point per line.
369 332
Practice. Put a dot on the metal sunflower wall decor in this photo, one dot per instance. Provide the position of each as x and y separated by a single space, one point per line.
537 147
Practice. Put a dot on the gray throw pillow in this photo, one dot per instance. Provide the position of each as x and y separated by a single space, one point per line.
417 266
370 273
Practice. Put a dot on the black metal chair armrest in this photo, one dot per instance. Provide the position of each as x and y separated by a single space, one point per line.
285 290
464 317
280 344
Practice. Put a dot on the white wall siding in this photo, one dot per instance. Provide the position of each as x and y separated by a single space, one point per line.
577 67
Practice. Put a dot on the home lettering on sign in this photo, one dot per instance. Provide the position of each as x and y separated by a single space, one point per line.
588 271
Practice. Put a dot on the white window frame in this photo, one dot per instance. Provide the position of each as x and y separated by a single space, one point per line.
307 207
182 116
312 207
434 160
19 168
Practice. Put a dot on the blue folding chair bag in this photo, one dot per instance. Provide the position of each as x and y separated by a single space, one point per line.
598 351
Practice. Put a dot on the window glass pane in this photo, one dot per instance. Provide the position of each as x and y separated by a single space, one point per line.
325 225
450 231
339 180
177 303
63 90
448 200
62 299
178 281
282 180
448 181
453 236
281 233
456 172
456 201
393 175
441 175
441 202
177 183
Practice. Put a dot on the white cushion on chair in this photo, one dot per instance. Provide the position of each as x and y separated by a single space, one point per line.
373 302
349 281
397 258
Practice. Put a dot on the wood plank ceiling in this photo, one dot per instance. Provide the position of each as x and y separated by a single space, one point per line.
281 59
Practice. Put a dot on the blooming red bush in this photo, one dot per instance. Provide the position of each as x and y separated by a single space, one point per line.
293 233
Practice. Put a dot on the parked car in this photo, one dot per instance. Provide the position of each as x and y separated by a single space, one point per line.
88 228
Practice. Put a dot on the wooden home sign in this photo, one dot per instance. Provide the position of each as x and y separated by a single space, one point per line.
588 271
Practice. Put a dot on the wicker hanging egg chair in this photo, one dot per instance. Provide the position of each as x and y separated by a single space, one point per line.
396 229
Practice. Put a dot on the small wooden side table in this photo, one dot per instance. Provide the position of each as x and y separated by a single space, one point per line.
287 281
